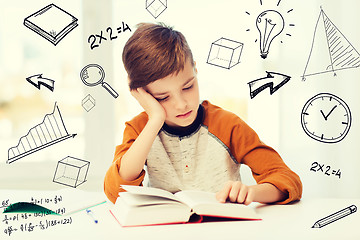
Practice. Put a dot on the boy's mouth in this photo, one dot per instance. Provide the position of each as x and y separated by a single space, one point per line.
185 115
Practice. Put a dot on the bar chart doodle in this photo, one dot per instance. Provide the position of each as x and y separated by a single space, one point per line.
52 23
50 131
330 49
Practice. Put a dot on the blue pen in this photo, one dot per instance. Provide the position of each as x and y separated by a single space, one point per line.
91 214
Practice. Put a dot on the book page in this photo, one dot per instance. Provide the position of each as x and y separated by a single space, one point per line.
192 198
145 200
205 203
149 191
128 215
52 20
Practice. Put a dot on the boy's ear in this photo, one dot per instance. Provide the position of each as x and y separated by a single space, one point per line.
128 81
196 71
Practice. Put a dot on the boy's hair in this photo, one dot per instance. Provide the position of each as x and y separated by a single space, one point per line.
153 52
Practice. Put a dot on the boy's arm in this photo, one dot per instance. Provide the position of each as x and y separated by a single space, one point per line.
137 140
276 182
113 180
268 167
134 159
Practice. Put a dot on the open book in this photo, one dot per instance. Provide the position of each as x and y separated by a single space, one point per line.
140 206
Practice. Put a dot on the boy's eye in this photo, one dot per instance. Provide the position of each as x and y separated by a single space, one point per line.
189 87
161 99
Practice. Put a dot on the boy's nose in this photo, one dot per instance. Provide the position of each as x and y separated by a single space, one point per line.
180 103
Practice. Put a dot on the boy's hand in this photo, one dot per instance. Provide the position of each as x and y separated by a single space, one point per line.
151 106
236 192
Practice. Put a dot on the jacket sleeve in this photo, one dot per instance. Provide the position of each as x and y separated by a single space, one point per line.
113 180
265 163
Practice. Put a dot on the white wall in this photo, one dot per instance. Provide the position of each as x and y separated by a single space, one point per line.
275 117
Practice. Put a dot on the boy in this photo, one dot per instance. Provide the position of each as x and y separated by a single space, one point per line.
186 144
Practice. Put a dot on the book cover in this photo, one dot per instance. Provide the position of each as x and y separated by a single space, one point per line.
141 206
52 23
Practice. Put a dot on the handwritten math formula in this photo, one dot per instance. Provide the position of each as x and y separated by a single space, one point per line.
56 199
4 203
28 222
327 170
12 222
95 40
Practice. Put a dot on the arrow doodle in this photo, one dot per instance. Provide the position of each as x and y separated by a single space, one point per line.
37 80
273 81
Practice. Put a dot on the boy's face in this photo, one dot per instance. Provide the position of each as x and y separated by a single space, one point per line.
178 95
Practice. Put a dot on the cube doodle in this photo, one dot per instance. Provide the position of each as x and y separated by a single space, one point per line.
88 103
156 7
225 53
71 171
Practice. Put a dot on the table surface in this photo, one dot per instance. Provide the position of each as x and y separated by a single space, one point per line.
292 221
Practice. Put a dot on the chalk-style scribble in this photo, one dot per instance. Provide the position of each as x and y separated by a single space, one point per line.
335 216
330 49
326 118
52 23
71 171
50 131
93 74
225 53
38 80
273 81
88 103
156 7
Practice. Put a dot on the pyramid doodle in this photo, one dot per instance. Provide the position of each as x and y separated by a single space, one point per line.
330 50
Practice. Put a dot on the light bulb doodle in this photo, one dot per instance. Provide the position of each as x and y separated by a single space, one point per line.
270 24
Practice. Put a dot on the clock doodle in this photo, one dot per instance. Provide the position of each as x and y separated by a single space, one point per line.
326 118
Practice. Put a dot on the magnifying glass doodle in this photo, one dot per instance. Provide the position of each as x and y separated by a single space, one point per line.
93 74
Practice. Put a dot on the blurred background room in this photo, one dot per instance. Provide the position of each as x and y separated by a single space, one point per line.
104 27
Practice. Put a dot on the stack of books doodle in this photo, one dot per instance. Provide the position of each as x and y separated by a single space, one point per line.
52 23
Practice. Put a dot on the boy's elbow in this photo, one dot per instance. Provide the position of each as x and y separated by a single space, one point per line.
295 189
109 194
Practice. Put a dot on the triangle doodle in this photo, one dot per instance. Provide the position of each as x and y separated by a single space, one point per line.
330 49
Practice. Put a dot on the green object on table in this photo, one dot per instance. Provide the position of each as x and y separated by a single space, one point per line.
26 207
